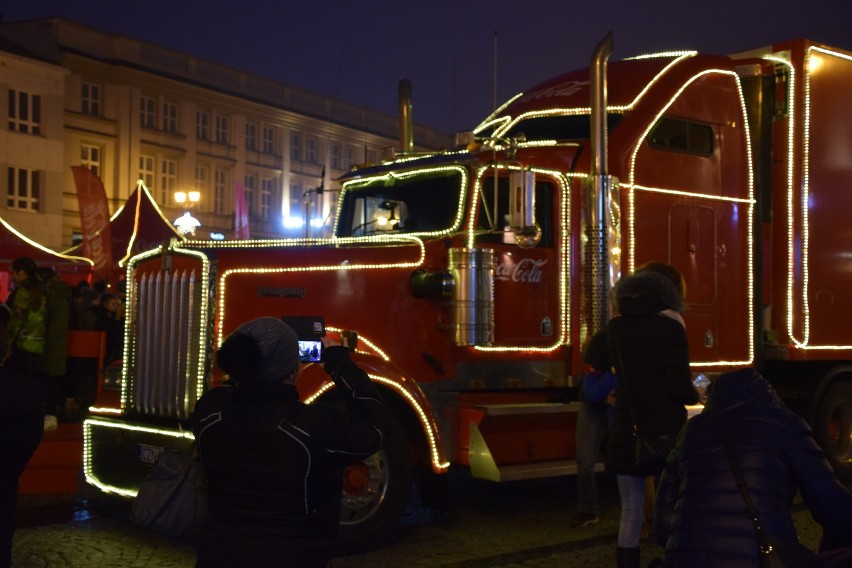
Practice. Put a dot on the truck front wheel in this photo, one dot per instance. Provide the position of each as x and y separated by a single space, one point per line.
834 428
375 494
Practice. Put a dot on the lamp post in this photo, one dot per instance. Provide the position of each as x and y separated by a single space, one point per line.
187 224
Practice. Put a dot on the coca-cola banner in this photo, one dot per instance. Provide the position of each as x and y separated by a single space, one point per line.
94 221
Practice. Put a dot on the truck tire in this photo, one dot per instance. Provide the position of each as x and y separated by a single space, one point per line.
375 495
834 428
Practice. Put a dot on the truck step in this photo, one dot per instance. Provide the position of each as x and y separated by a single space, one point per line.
539 470
530 408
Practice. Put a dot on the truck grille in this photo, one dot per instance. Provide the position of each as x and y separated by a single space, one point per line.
165 372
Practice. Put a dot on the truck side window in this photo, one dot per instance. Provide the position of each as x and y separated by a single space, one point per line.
682 136
492 226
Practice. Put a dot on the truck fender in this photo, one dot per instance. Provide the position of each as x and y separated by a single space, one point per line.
314 382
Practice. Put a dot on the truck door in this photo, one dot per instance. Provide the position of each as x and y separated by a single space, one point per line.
528 308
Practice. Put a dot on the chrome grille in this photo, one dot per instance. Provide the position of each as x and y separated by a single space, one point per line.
166 354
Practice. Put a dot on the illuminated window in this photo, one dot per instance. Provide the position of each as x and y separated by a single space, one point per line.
202 125
251 136
24 112
682 136
268 140
91 99
146 170
23 189
90 157
170 117
147 112
168 180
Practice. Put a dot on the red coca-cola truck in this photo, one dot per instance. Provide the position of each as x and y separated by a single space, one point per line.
474 276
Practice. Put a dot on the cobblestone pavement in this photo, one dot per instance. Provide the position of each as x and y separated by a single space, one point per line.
520 524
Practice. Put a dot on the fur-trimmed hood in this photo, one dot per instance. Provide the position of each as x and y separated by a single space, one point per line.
646 292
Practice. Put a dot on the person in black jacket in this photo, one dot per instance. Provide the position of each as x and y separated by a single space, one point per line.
647 345
274 464
701 517
21 429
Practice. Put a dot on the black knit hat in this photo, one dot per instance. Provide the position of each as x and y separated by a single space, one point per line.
262 350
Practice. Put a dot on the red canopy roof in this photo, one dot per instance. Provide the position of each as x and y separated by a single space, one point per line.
14 244
137 226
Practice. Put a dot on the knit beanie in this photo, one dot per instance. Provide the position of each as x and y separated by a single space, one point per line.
261 350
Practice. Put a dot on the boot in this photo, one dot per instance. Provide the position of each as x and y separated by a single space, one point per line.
627 557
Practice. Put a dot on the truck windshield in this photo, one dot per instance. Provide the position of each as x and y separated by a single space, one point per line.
414 202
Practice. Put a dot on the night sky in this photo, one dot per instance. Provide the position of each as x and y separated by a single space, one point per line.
359 51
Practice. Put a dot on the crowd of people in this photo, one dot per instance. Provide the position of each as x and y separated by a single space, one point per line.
38 313
733 471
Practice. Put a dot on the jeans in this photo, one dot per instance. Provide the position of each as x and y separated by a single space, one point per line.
631 488
592 426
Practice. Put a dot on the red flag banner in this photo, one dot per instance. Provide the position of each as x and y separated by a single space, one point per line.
241 222
94 221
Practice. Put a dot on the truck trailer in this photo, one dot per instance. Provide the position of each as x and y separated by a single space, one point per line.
474 276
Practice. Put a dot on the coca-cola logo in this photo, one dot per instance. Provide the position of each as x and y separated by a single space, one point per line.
526 270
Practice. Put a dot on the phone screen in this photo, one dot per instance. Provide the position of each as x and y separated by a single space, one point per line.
310 351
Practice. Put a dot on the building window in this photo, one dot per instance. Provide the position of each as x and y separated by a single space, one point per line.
249 191
223 126
371 156
146 170
335 155
168 180
296 207
91 99
266 188
170 117
311 149
268 140
251 136
147 112
23 189
202 178
220 182
91 158
349 156
295 146
24 112
202 125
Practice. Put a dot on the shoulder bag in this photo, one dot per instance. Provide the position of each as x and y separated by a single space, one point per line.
652 450
173 498
772 552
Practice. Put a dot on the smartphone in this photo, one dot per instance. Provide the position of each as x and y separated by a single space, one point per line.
309 330
310 351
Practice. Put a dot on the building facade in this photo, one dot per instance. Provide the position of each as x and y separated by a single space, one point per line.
130 110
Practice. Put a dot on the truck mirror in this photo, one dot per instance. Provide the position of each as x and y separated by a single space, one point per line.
522 208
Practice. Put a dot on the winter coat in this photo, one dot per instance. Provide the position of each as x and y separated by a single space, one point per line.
701 517
274 466
56 328
21 425
651 358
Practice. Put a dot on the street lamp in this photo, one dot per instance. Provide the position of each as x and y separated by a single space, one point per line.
187 224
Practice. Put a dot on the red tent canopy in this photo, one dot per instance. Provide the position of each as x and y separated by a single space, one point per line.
14 244
137 226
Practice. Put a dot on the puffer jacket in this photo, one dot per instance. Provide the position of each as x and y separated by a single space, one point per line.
274 466
651 358
701 517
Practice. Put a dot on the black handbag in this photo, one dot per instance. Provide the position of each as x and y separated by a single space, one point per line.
772 552
651 450
173 498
